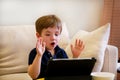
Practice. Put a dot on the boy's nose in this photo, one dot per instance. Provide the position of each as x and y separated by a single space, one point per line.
53 37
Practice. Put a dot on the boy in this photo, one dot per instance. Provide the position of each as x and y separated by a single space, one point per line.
48 29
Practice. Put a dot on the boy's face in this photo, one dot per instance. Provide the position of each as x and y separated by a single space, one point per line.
51 37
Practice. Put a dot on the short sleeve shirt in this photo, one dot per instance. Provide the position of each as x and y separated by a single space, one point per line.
59 53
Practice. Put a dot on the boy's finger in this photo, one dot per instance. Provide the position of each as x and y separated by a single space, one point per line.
81 43
40 40
82 47
71 47
43 44
76 42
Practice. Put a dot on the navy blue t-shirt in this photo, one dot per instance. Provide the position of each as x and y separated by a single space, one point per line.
59 53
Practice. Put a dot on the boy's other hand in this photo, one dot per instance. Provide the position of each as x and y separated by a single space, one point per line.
40 46
78 48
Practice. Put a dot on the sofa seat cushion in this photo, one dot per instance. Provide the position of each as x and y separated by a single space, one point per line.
17 76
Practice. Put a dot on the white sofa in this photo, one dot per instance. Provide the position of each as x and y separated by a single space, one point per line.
16 43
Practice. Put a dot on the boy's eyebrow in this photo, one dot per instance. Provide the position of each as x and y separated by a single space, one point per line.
47 31
50 31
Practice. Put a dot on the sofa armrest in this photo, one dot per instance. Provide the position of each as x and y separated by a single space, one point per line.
110 59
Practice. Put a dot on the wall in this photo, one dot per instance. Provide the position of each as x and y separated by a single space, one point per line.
77 14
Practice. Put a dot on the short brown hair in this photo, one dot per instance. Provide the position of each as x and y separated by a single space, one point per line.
47 21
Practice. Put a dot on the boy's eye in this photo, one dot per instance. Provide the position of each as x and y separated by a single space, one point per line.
56 34
47 34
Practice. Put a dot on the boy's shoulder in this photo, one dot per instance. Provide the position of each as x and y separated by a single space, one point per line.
33 51
58 48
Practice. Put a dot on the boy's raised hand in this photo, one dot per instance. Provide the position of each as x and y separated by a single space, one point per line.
78 48
40 46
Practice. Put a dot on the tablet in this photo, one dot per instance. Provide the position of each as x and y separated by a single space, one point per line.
70 67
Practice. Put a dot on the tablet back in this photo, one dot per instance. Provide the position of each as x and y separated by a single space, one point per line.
70 67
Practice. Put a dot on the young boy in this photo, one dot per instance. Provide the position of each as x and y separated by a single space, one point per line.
48 29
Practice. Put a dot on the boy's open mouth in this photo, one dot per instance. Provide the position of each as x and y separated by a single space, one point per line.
53 43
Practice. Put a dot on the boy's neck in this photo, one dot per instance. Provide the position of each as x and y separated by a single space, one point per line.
52 52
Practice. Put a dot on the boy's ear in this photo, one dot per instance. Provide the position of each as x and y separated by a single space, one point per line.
37 35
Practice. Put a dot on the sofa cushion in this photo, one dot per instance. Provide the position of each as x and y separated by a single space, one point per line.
95 44
17 76
15 45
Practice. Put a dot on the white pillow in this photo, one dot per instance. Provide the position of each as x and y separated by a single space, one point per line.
64 38
95 44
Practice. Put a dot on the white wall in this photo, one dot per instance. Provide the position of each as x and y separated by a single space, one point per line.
77 14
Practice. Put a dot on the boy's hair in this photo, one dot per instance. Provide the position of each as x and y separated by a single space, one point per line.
47 21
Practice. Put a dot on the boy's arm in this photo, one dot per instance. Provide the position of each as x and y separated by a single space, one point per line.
34 68
77 48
